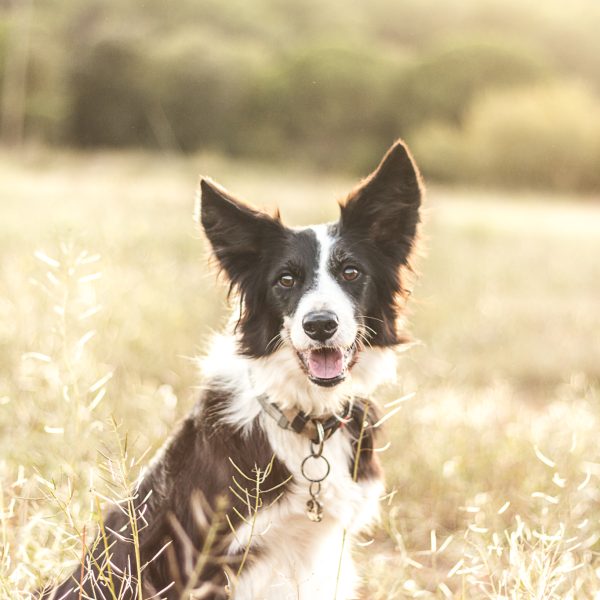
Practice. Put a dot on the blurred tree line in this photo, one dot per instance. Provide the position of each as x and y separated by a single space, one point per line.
494 91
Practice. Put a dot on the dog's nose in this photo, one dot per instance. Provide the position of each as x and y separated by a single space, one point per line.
320 325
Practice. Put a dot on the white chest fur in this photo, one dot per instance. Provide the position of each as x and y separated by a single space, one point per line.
299 558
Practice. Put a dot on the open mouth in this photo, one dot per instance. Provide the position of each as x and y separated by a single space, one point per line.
327 366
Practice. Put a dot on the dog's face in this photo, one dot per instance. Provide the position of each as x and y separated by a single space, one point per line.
326 291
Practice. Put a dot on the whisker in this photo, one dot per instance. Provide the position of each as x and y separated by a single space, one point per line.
372 318
370 329
363 339
277 342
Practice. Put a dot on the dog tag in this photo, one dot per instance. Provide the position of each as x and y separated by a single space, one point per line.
314 510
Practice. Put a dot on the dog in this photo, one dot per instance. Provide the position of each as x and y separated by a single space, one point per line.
261 490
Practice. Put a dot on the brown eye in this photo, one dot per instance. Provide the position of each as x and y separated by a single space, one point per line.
286 280
350 273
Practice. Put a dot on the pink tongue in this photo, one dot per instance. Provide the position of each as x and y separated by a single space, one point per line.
325 364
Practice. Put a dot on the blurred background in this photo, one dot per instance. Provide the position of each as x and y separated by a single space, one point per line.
499 92
110 109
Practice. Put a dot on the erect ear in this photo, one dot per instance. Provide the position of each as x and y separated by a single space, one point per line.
236 232
385 206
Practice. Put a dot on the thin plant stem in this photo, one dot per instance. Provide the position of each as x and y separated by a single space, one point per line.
363 426
209 542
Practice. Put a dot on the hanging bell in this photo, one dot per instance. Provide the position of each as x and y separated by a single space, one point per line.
314 510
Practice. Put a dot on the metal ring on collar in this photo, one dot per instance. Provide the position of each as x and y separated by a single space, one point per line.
314 489
315 479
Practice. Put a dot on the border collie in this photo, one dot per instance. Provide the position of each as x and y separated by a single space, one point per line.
260 492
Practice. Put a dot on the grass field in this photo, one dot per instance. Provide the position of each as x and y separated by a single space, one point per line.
494 463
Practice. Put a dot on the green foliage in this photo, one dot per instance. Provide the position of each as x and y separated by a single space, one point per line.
108 101
3 44
198 88
327 104
48 96
444 81
324 84
440 152
546 136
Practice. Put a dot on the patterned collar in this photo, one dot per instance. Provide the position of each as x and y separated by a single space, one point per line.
303 424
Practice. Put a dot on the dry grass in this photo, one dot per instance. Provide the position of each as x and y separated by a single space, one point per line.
493 466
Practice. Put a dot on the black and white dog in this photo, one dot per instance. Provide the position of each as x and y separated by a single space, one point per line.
259 493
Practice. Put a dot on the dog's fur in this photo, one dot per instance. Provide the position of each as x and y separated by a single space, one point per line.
195 520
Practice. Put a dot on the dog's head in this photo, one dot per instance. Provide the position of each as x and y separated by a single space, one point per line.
326 291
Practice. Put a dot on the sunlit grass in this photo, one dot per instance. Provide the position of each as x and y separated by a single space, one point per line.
105 297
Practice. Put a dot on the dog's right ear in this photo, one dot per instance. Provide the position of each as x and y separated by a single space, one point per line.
237 233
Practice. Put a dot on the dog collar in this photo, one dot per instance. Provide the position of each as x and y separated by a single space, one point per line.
303 424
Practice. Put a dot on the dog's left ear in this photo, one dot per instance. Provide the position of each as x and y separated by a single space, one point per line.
385 206
237 232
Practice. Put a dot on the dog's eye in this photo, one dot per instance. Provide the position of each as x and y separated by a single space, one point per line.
286 280
350 273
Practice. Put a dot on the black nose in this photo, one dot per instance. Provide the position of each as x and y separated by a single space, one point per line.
320 325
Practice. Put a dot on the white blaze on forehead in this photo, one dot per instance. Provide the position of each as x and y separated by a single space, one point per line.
325 294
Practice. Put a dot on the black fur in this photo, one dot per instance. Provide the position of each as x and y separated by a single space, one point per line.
379 220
